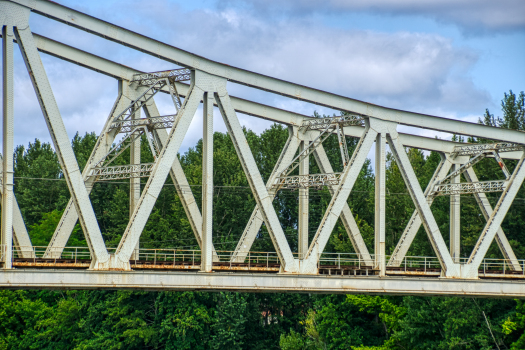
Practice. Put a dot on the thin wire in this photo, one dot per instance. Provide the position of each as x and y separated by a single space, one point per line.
290 193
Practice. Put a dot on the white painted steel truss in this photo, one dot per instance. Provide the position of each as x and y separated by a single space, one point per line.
308 181
470 187
128 125
118 172
372 124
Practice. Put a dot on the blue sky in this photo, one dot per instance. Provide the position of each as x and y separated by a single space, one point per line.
451 58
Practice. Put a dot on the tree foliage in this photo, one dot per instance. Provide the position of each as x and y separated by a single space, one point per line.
225 320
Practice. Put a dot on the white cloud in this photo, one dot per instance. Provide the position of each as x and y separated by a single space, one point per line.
404 70
84 99
411 71
471 15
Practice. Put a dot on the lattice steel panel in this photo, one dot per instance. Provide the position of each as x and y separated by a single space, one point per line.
472 150
118 172
307 181
148 79
322 123
161 122
469 187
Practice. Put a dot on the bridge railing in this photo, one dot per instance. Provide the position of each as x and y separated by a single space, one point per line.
193 257
342 260
66 253
253 259
503 266
163 256
270 259
420 263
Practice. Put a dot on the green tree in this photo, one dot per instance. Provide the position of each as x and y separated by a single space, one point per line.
230 323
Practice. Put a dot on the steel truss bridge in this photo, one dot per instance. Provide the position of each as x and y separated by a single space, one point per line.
195 80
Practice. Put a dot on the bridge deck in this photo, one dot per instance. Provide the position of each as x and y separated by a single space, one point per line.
192 265
178 280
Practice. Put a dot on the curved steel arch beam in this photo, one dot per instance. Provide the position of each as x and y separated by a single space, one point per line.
184 58
258 110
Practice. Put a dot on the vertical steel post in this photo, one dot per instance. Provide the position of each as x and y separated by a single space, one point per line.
134 182
455 225
21 238
180 181
7 174
302 240
207 183
380 188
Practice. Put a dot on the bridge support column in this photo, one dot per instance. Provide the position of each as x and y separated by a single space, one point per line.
207 184
21 238
302 240
7 174
455 221
380 188
134 182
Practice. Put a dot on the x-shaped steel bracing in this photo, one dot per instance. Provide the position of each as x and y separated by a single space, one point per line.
209 85
414 223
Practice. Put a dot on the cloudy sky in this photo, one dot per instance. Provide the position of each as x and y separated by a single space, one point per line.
451 58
